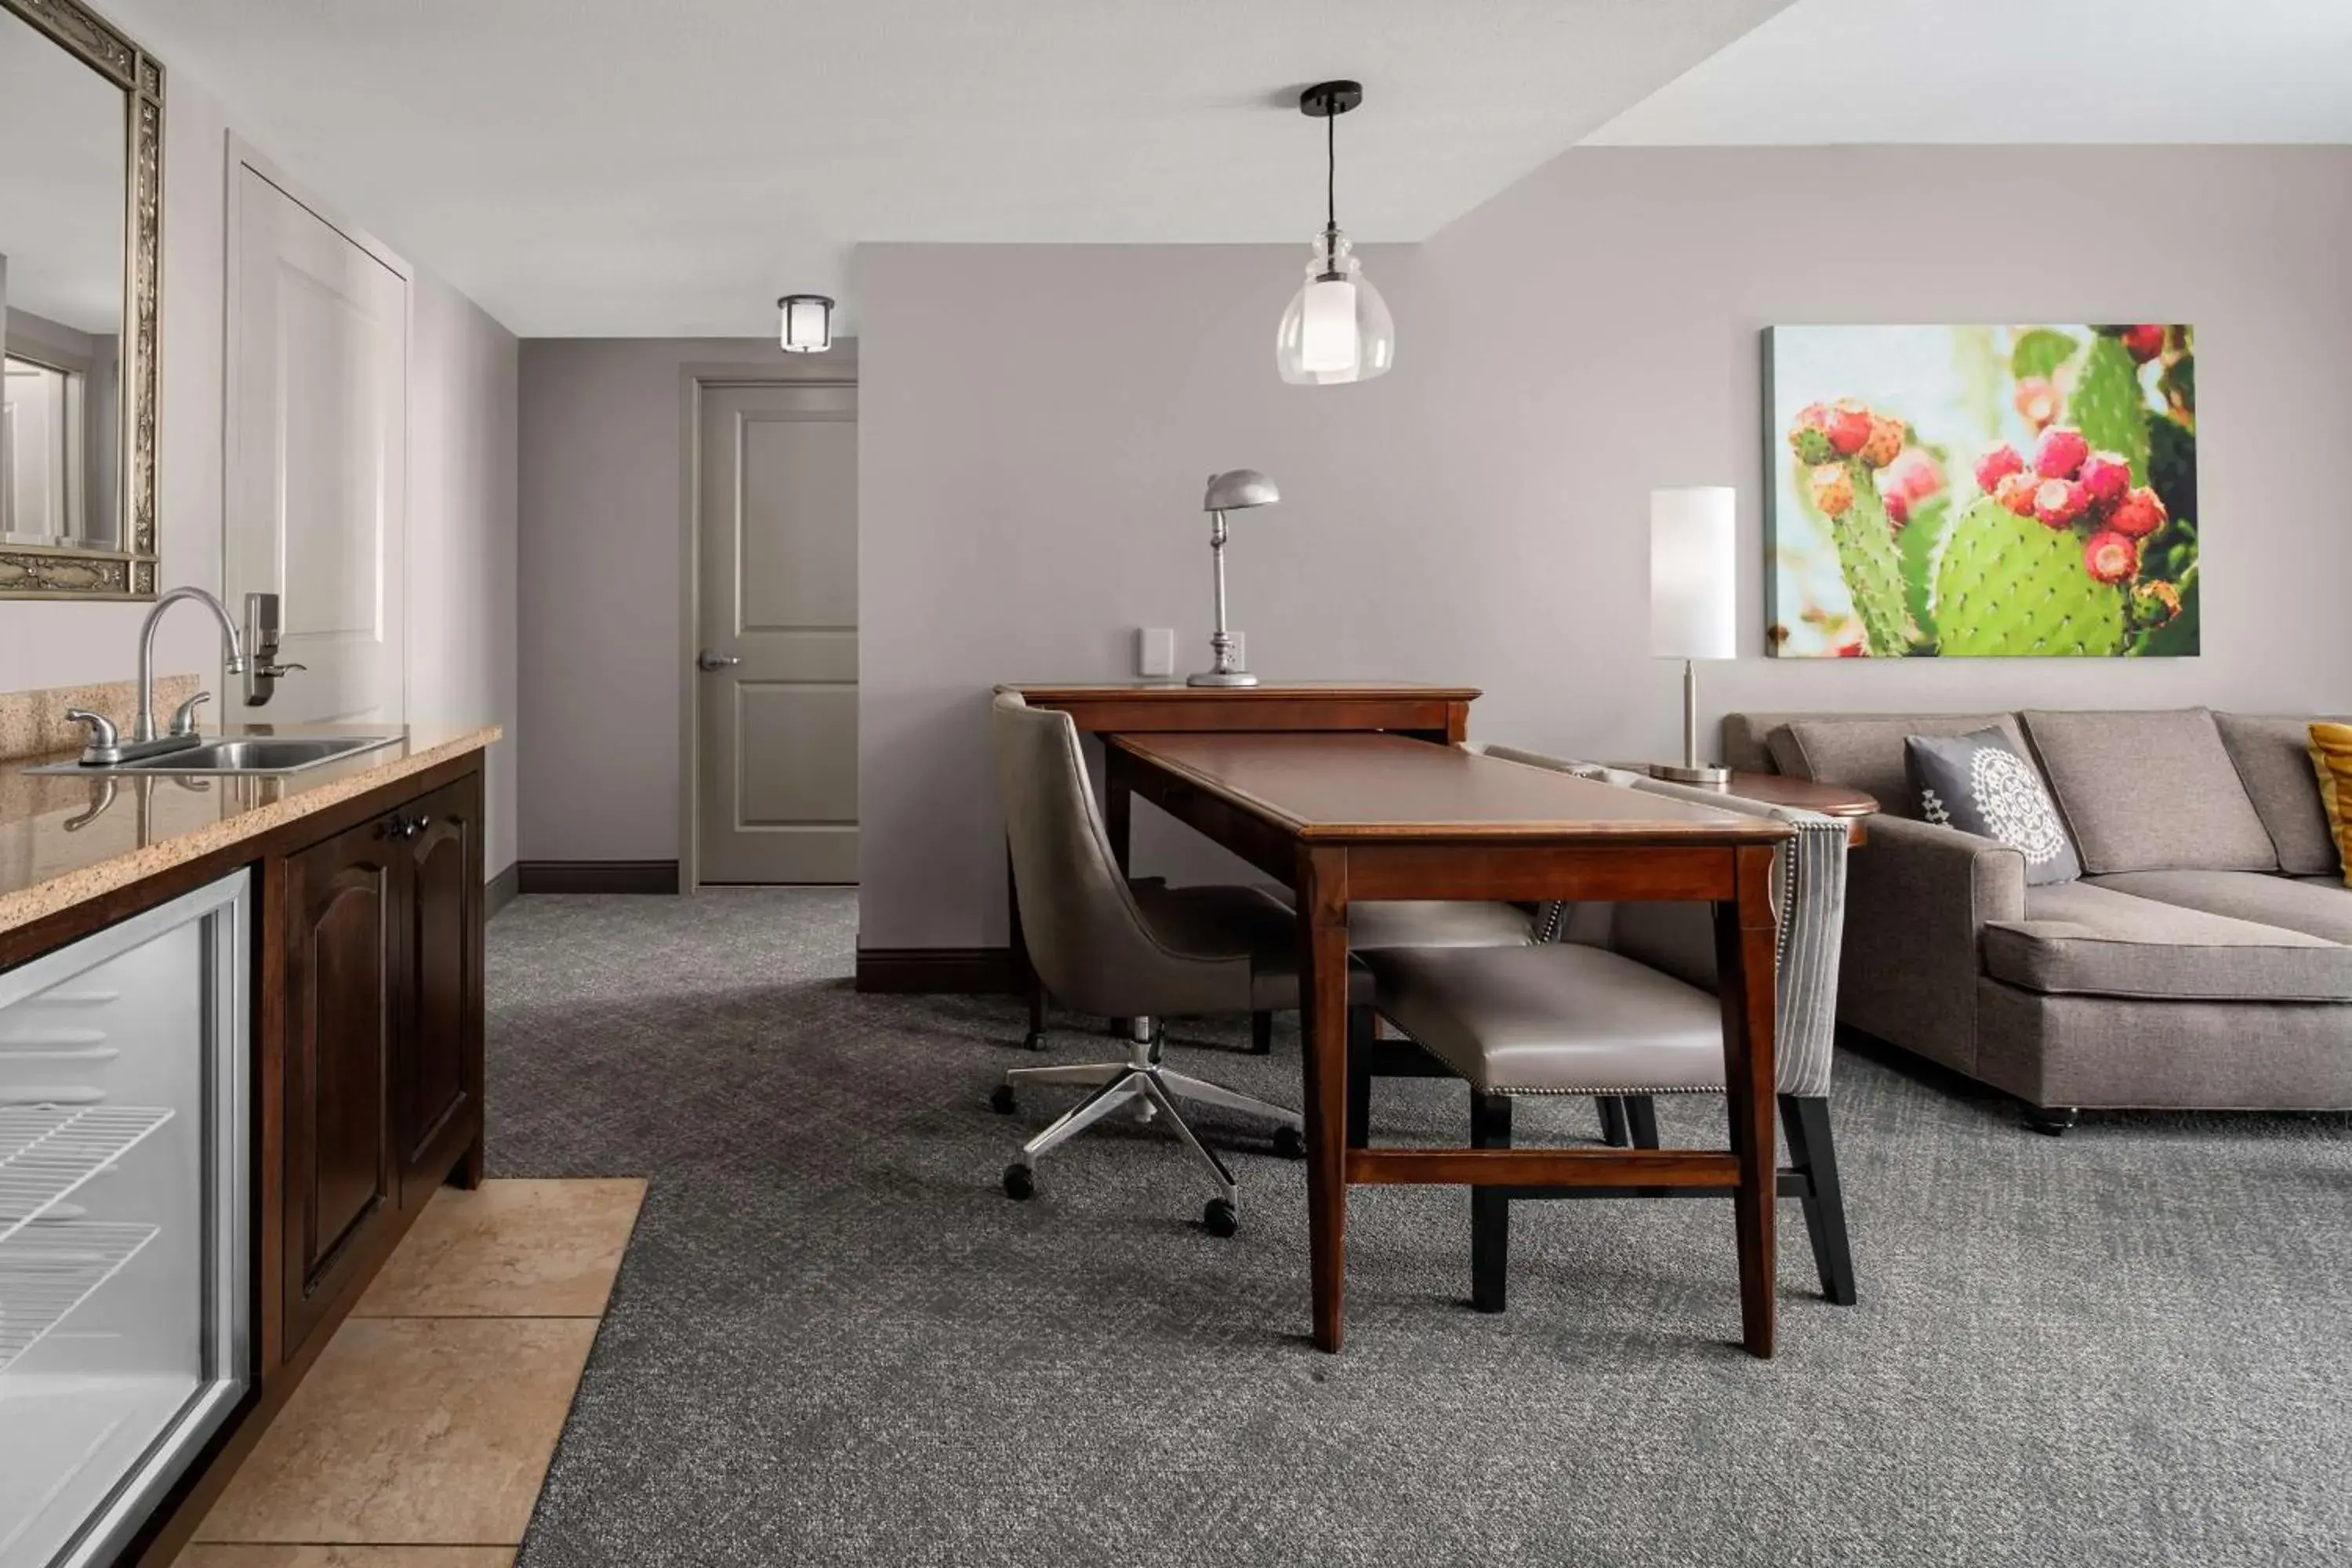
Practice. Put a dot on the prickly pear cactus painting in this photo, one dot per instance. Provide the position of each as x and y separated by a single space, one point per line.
2023 491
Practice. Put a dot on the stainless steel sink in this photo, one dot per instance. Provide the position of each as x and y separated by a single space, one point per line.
253 754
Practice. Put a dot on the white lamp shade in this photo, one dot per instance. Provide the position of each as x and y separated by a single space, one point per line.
1694 573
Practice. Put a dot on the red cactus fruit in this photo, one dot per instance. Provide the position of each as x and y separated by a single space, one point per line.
1832 489
2155 603
1848 426
1898 507
2059 453
2144 342
2107 476
2138 514
1996 464
2110 557
1917 476
2037 400
2015 491
2058 502
1886 438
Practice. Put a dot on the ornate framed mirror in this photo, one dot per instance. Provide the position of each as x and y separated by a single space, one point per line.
81 165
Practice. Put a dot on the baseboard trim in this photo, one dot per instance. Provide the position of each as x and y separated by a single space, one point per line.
501 891
597 876
969 971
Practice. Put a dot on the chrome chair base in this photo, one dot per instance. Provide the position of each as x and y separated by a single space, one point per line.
1153 1090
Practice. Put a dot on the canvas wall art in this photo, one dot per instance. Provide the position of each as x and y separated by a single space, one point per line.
1982 491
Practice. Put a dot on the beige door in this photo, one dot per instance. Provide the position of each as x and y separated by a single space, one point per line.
777 668
318 458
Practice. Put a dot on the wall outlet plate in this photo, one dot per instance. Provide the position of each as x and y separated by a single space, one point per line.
1155 652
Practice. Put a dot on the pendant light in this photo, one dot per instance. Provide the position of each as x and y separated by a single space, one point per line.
808 323
1338 327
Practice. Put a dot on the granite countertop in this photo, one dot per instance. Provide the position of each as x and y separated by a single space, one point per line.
68 837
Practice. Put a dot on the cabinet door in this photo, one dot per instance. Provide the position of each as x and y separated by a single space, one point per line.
437 1104
343 1005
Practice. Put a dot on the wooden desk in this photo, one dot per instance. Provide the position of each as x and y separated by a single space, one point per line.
1338 818
1440 713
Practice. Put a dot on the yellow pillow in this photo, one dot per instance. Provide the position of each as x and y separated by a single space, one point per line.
2331 753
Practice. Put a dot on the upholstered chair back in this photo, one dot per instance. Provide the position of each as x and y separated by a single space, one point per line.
1086 934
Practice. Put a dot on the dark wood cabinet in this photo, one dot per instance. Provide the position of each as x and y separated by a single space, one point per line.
382 1052
342 978
437 1112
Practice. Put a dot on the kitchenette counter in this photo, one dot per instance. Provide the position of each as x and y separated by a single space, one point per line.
66 839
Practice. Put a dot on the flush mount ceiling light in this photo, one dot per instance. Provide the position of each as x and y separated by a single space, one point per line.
808 323
1338 327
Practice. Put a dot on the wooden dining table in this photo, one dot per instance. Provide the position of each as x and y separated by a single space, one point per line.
1343 817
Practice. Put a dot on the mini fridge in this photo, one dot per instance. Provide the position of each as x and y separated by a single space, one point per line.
125 1262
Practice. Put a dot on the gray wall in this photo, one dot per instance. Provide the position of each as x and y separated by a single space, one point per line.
1037 422
462 534
602 486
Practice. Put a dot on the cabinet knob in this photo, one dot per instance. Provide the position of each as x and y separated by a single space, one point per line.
405 827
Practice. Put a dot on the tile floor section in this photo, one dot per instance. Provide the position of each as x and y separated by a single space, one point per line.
423 1432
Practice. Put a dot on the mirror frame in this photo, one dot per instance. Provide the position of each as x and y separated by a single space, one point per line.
127 572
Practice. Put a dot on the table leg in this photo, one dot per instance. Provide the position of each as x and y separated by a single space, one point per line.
1323 1026
1744 962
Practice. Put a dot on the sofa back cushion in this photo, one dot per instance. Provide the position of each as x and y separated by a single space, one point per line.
1865 751
2151 790
2273 761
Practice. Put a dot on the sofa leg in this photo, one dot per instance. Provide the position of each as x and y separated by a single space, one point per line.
2049 1121
1805 1121
1490 1211
1642 1121
1261 1034
1613 1131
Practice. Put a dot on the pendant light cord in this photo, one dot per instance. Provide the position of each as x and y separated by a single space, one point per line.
1331 172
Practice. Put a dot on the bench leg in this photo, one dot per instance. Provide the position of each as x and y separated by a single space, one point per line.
1805 1121
1642 1121
1612 1121
1360 1027
1261 1034
1490 1211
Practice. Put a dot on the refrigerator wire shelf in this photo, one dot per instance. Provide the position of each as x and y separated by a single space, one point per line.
49 1270
49 1150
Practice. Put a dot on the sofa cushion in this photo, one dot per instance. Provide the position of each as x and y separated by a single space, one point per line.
2082 939
1866 752
2150 791
2273 761
2331 762
1980 784
2320 907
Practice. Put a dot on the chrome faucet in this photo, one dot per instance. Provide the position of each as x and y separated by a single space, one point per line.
104 745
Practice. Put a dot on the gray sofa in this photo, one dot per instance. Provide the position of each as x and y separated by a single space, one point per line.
2203 960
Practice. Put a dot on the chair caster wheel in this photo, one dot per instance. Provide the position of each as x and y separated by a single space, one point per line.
1001 1101
1218 1218
1020 1182
1033 1040
1290 1142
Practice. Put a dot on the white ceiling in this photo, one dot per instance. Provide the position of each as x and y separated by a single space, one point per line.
2030 71
653 167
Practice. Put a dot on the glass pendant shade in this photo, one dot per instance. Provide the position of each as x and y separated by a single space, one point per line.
1338 327
807 325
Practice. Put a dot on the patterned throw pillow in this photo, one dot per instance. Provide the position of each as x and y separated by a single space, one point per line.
1977 784
2331 753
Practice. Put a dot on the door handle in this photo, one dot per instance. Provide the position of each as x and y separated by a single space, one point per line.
706 659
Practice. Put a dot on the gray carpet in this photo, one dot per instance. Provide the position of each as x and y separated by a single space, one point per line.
833 1340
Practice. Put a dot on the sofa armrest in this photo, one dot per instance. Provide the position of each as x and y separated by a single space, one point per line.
1918 894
